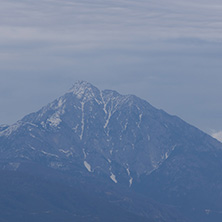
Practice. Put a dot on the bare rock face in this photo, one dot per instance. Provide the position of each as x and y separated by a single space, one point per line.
120 139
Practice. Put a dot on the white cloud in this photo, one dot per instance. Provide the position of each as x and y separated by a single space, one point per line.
123 19
217 135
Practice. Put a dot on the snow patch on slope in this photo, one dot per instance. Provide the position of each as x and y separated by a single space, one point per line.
107 120
66 152
140 119
88 166
217 135
54 120
131 178
9 130
113 178
49 154
82 121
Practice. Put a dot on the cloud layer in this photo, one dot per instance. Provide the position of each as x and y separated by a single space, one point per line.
217 135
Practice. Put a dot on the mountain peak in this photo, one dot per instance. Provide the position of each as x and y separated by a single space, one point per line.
84 90
80 84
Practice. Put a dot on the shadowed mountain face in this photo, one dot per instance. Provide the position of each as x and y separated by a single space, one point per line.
124 143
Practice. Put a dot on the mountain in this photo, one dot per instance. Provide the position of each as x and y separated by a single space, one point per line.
130 157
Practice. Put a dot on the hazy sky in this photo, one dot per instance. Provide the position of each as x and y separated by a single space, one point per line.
168 52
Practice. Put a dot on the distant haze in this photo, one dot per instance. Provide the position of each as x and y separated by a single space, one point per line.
168 52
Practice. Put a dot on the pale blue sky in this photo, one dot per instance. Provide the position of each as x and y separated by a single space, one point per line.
168 52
